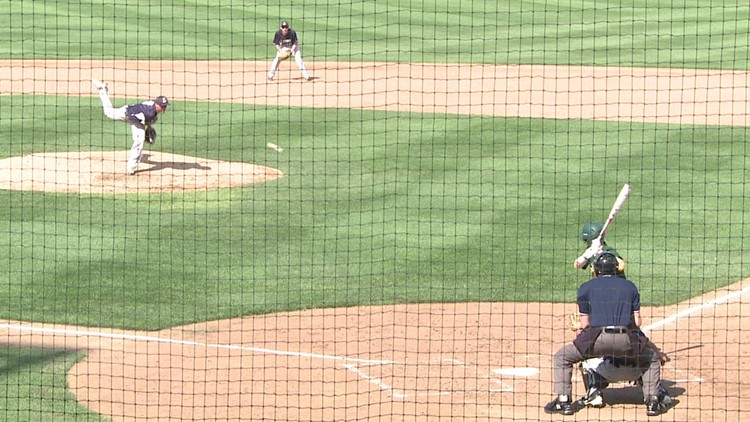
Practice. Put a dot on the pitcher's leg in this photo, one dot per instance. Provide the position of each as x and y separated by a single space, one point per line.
109 111
134 156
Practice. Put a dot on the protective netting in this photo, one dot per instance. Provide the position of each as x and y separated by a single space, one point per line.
383 225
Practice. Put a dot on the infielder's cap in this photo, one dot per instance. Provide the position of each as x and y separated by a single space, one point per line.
162 101
284 24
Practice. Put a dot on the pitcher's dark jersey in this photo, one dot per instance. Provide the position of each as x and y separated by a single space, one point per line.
142 114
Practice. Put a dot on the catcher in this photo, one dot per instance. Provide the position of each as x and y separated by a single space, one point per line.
597 373
287 45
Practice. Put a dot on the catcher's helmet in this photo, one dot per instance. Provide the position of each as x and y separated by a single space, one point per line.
606 264
590 231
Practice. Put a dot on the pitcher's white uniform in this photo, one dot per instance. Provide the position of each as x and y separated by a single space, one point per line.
286 39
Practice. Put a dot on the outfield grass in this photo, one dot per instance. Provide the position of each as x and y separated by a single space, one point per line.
653 33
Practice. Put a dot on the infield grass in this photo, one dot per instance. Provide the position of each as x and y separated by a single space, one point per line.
34 386
448 210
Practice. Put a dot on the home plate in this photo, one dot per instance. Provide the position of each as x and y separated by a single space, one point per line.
516 372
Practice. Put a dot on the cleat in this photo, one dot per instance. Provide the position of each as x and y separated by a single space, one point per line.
560 405
594 398
99 84
653 406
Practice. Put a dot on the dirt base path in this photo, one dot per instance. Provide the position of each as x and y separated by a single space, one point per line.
682 96
408 362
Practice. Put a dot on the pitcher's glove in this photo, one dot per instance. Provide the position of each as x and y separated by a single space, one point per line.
574 322
284 54
150 135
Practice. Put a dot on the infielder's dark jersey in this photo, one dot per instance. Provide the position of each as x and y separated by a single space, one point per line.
142 114
287 40
609 301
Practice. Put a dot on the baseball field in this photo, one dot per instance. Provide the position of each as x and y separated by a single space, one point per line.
390 240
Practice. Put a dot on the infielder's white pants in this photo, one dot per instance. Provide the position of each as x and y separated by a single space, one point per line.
297 59
139 135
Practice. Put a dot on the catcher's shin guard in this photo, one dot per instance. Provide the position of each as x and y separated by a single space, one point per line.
592 379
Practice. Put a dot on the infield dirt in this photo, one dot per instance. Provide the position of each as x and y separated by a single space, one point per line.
407 362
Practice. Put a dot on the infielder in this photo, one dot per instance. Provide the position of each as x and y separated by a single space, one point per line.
287 44
140 117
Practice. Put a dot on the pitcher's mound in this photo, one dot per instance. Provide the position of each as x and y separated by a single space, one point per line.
104 172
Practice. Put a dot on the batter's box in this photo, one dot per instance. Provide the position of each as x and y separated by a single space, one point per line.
425 379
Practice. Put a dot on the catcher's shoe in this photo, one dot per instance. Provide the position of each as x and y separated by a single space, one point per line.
99 85
593 398
654 407
560 405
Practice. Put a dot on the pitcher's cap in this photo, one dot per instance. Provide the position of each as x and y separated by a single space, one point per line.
161 100
284 24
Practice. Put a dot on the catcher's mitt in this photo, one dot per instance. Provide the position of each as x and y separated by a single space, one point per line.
284 54
150 135
574 322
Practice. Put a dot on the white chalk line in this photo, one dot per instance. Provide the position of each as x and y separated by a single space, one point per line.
133 337
351 367
374 380
694 309
402 394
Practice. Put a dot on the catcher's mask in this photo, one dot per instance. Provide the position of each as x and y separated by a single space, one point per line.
590 231
605 264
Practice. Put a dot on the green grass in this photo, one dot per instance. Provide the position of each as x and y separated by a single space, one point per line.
34 386
652 33
374 207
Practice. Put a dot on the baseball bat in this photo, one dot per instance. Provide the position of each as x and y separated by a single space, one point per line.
624 192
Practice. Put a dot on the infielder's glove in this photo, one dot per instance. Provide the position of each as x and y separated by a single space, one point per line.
150 135
574 322
284 54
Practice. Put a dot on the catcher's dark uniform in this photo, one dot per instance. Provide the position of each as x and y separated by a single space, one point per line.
610 302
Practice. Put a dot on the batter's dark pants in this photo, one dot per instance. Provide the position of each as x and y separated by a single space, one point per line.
606 345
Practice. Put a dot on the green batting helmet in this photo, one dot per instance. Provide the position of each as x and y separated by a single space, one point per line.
590 231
